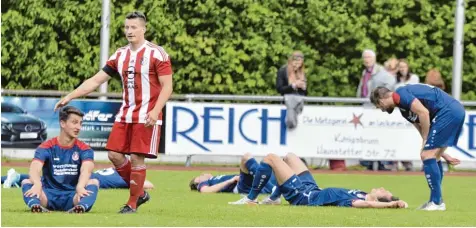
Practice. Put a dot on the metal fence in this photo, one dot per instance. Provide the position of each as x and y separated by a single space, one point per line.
208 97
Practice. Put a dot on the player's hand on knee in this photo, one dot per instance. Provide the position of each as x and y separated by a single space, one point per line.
34 191
82 192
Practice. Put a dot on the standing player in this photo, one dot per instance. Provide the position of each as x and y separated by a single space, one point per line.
146 74
299 187
66 164
438 117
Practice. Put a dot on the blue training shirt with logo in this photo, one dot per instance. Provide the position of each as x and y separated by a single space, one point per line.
340 197
109 178
62 165
219 179
433 98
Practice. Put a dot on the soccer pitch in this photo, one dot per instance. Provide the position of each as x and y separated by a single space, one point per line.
173 204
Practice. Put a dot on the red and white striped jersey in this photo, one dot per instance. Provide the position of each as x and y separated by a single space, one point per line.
139 71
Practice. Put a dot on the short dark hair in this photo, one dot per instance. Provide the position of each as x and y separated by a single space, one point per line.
193 186
393 198
68 110
378 93
136 14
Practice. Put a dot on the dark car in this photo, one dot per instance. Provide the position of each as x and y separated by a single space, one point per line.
19 127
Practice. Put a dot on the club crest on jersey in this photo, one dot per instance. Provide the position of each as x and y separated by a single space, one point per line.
75 156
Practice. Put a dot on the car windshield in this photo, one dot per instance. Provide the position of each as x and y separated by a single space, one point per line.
11 108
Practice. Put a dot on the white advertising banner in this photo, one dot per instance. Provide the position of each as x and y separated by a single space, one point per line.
322 131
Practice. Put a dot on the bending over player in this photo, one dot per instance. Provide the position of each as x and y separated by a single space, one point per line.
207 183
108 178
67 164
438 117
299 187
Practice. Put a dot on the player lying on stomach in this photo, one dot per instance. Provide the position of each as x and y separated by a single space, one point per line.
298 187
234 183
108 178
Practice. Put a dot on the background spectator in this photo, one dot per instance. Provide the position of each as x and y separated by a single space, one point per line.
405 75
373 75
391 66
433 77
291 78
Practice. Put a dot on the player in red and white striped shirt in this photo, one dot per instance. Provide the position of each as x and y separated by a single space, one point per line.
146 74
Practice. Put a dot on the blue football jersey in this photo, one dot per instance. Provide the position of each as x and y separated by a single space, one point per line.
433 98
216 180
109 178
62 165
335 197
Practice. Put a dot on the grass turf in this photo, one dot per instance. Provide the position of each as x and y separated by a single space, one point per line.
173 204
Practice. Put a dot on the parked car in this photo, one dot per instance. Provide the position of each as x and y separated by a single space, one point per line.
19 127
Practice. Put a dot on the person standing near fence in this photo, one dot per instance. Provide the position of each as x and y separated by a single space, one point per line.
291 78
291 84
373 75
145 70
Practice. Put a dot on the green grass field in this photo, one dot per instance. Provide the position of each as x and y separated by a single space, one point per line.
173 204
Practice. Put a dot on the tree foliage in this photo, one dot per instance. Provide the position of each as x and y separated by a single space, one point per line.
236 47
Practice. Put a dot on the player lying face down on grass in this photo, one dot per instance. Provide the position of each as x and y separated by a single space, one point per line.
299 188
108 178
234 183
66 163
438 117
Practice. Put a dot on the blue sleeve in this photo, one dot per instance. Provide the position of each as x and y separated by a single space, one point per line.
42 154
87 154
406 98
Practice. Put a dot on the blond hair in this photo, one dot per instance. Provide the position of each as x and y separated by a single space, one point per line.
299 74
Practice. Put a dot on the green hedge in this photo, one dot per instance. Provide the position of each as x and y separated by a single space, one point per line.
236 47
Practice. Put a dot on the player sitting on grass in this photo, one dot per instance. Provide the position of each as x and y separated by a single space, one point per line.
67 164
207 183
299 187
108 178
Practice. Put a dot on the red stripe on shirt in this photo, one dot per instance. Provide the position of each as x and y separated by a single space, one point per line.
396 98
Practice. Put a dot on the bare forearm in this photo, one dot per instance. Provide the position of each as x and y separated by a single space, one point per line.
90 85
372 204
218 187
85 174
417 126
424 125
35 173
85 88
164 96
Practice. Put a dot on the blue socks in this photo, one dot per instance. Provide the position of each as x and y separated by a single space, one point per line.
276 194
252 166
433 177
261 177
440 166
29 201
88 201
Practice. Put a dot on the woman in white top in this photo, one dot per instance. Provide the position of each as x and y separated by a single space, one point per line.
404 75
